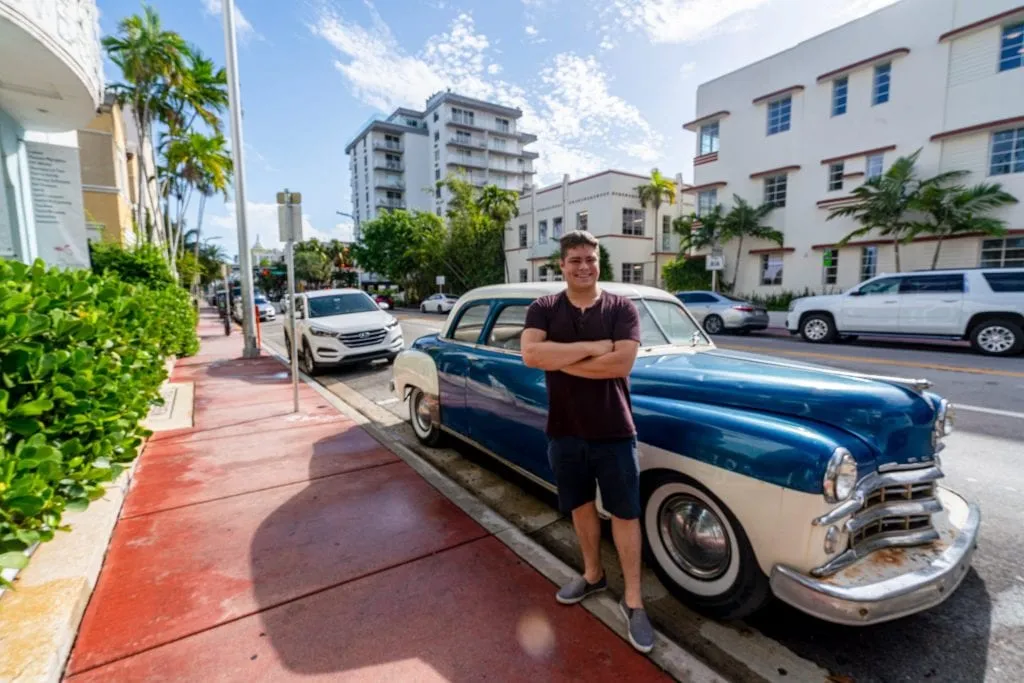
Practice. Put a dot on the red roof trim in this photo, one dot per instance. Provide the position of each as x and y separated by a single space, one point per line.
705 158
857 174
774 171
859 154
930 238
836 200
706 186
628 237
773 250
706 119
981 23
977 128
772 95
898 52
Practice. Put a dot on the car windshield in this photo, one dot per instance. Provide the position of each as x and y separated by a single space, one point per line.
261 300
660 318
340 304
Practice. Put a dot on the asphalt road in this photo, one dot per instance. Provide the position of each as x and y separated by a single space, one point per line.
978 633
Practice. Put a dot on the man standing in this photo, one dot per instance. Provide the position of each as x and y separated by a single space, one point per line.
586 340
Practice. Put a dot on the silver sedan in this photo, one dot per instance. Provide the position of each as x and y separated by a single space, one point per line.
720 313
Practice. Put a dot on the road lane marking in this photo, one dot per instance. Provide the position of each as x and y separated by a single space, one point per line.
870 361
989 411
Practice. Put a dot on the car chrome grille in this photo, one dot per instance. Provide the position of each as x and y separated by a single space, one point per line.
357 340
887 510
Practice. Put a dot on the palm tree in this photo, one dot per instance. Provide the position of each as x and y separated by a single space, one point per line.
699 232
745 220
151 60
652 194
500 206
958 210
201 93
882 203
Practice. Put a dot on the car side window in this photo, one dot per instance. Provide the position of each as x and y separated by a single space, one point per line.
925 284
703 299
471 322
508 328
889 285
1005 282
685 298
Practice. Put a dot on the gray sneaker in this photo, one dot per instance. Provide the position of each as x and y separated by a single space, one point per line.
578 588
639 629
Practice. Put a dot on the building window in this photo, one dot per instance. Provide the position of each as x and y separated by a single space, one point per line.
706 201
779 114
873 167
775 190
1011 53
437 174
524 275
868 263
502 125
581 220
542 232
556 228
437 155
633 222
522 235
1007 152
435 116
633 273
1007 253
462 116
880 90
437 192
771 269
666 233
709 138
437 135
839 89
831 265
835 176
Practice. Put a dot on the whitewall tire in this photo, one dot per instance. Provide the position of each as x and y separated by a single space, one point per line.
698 549
427 432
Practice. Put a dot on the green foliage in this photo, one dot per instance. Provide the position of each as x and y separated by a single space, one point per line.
81 362
406 247
778 301
144 265
684 274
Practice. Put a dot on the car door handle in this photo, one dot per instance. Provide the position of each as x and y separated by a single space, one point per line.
949 301
891 302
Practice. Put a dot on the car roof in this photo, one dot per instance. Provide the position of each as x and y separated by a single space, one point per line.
950 271
530 290
329 292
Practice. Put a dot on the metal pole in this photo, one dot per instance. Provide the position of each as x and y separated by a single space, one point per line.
250 348
714 280
294 346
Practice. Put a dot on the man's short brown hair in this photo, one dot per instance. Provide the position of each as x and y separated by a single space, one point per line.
577 238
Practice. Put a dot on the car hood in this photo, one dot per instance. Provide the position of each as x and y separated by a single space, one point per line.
819 300
352 321
894 420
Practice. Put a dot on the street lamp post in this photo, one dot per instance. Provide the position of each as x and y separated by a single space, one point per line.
250 348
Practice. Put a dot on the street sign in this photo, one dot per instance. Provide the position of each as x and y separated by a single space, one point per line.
289 222
439 280
713 262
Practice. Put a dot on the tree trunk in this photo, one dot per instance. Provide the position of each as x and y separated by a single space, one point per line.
896 250
657 245
736 270
935 258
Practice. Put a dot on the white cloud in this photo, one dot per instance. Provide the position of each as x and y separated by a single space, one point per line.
580 125
243 28
680 21
687 69
531 30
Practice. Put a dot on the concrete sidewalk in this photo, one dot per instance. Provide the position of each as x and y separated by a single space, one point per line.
261 544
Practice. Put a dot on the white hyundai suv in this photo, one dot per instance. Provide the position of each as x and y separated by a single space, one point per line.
341 327
982 305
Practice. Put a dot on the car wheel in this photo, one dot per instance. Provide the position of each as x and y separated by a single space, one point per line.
699 550
998 337
439 308
818 328
713 324
309 365
428 433
423 308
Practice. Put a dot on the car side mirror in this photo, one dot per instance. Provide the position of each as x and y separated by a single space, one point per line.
856 292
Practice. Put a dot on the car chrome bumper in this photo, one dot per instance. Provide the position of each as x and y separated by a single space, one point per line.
892 583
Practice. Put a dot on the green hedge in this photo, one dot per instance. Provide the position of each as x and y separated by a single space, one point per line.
81 363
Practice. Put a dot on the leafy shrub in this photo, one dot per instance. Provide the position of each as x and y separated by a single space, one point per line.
81 362
144 265
778 301
684 274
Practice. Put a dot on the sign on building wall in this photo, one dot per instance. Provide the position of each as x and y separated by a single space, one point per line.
55 179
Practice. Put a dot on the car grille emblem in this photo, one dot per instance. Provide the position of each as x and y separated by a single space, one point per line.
364 335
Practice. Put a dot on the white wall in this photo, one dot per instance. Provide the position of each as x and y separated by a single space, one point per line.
937 87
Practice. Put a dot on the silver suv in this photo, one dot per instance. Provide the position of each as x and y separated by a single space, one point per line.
982 305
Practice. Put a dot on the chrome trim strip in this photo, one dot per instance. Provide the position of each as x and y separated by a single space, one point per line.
874 481
908 508
529 475
918 385
884 600
902 540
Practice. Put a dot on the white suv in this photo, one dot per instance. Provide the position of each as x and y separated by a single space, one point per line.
340 327
983 305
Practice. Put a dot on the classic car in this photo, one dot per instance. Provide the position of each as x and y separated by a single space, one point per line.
758 476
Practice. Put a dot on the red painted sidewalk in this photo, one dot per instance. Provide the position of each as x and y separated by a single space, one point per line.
263 545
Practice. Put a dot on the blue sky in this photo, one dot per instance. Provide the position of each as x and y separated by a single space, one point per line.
603 83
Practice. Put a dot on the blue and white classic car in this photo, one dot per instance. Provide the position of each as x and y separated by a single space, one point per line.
759 477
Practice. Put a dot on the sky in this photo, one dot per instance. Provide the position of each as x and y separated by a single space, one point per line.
602 83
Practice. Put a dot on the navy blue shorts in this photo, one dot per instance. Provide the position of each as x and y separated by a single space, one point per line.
614 465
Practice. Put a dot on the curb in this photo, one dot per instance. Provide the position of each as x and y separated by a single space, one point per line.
669 656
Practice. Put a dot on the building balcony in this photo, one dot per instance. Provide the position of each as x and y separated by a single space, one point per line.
51 67
388 146
389 165
463 142
385 184
386 203
464 121
472 162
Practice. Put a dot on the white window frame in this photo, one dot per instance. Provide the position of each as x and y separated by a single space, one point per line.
830 273
838 83
708 138
775 189
633 273
1002 247
783 108
1015 163
542 231
582 220
630 227
868 262
868 172
523 235
711 197
1011 56
666 233
882 79
524 275
835 176
766 260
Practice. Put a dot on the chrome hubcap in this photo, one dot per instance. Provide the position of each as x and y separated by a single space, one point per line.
308 357
816 329
694 537
996 339
421 413
713 325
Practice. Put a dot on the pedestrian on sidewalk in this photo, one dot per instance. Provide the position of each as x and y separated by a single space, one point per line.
586 340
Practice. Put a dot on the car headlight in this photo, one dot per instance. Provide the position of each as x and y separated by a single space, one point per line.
792 305
944 418
840 476
321 332
393 324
